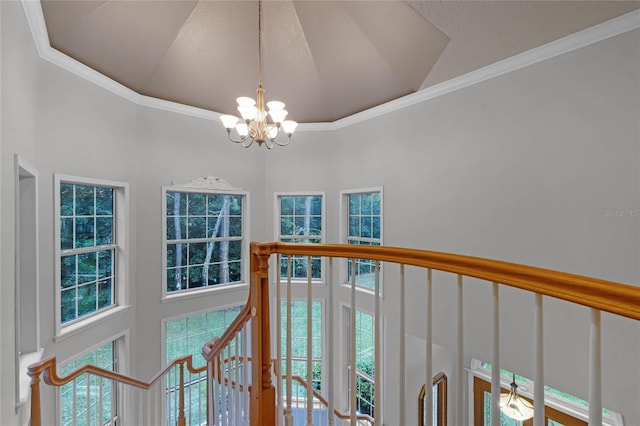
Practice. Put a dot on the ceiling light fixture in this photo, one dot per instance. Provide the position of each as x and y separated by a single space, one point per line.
254 126
513 405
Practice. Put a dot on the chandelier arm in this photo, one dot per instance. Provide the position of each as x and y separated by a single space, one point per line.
274 140
241 140
247 145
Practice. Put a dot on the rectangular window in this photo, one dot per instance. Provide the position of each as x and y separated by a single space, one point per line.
299 322
203 239
363 226
300 220
187 336
365 363
89 398
90 235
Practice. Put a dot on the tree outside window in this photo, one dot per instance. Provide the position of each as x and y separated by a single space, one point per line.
364 227
365 363
300 221
204 239
87 249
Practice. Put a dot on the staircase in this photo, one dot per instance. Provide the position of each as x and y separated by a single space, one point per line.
249 380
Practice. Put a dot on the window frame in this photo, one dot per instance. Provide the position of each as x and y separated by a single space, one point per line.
245 239
554 404
185 316
323 221
344 233
121 258
439 385
345 348
120 355
322 359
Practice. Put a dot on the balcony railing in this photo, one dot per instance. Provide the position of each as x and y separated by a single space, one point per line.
244 386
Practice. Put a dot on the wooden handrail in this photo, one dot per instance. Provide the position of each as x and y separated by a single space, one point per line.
341 416
215 346
48 369
617 298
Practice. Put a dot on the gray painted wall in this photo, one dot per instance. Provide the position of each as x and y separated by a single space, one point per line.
522 167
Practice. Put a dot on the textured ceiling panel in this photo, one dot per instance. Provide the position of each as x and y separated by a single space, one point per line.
324 59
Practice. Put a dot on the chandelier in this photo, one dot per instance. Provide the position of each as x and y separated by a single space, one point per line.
254 126
513 405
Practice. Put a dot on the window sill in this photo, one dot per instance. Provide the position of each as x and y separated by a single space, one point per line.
364 290
206 291
75 328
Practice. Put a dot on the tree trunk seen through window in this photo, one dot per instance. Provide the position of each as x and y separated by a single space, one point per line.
221 222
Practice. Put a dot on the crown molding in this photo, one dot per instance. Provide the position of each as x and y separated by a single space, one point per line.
611 28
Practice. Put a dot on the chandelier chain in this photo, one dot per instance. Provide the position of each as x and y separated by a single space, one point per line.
260 42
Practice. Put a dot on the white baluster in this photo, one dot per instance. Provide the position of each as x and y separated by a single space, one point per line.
230 392
495 363
595 371
330 345
459 419
148 405
428 380
223 390
99 411
288 413
75 403
538 390
402 353
377 378
309 346
279 411
352 347
216 390
88 404
236 393
245 372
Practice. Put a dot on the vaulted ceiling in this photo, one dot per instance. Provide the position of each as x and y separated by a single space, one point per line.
325 59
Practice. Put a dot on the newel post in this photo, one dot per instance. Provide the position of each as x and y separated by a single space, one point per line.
35 397
263 395
181 419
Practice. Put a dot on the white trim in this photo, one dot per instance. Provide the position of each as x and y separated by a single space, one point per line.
586 37
323 233
209 183
121 282
22 387
200 186
120 341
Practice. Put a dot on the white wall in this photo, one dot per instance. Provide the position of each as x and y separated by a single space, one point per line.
176 149
522 167
19 93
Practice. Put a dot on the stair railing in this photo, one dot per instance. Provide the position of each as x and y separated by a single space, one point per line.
599 295
161 400
240 360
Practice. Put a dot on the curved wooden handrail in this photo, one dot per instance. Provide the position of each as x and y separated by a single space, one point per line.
324 402
609 296
215 346
48 369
